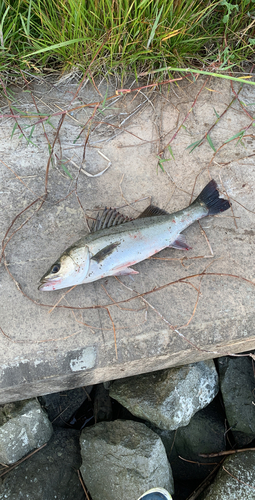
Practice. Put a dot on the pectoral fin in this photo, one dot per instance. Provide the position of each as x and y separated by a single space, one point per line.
105 252
180 243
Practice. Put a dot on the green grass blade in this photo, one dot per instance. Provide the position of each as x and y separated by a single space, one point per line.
239 135
29 17
23 24
161 161
194 145
200 72
216 113
31 133
66 170
1 27
105 97
21 113
49 122
161 166
210 142
56 46
13 130
154 27
171 151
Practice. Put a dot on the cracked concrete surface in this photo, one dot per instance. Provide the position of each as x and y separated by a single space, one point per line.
47 349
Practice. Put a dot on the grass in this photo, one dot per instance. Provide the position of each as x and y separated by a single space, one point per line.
116 36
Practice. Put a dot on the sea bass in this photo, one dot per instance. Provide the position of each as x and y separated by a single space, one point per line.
116 242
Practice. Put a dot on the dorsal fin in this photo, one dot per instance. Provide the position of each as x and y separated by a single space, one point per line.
152 211
110 217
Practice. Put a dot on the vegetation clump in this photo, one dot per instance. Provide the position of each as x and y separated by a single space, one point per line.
119 36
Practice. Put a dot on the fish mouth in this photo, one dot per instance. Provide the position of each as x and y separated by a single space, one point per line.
48 283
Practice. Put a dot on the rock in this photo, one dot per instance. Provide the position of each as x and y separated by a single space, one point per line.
236 484
237 387
168 398
23 426
204 434
50 474
123 459
60 406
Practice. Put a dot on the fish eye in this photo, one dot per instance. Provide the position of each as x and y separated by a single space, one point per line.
55 268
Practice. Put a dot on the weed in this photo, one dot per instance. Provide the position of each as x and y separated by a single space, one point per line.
42 35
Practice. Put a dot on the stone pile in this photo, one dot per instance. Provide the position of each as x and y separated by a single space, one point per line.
138 433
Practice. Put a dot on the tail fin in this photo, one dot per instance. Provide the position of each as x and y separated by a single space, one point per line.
210 198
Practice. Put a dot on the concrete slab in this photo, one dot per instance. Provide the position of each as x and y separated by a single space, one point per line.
46 349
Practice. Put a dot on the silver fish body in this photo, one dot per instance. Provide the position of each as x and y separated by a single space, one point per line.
113 250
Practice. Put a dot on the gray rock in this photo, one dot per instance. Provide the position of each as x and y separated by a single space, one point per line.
23 426
50 474
236 484
123 459
204 434
237 387
168 398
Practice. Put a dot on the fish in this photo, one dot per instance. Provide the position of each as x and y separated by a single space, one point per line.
116 242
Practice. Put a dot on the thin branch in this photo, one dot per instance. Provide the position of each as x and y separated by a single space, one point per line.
236 478
186 117
83 485
225 452
22 460
114 331
90 64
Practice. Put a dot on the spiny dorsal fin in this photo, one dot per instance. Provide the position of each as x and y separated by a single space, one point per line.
110 217
152 211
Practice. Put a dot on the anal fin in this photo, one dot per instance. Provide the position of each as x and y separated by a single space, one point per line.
180 243
125 271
